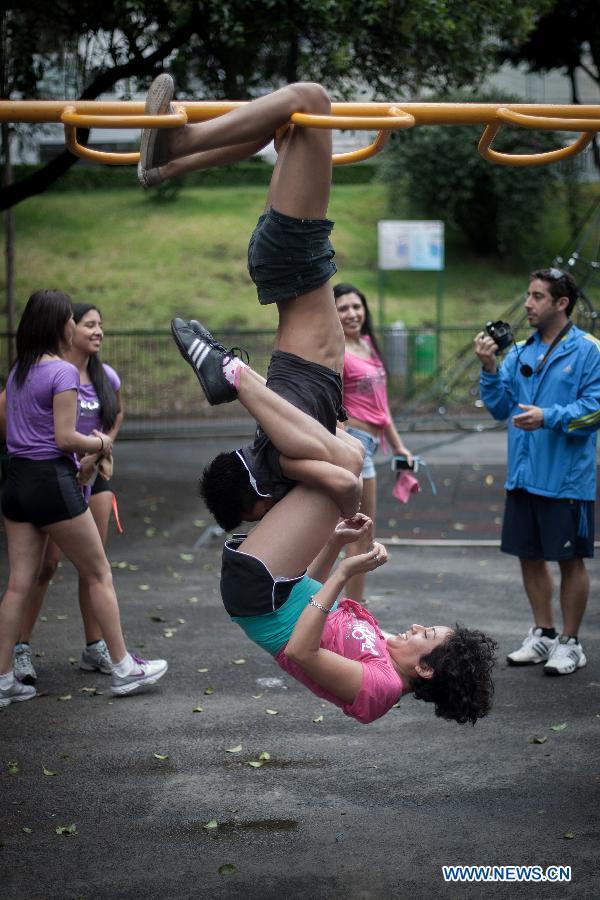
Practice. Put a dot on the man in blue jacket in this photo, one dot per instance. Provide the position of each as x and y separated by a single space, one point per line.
548 387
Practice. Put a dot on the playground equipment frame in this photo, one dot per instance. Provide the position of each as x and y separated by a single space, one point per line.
380 117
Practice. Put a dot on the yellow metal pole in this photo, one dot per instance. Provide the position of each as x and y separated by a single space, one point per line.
381 117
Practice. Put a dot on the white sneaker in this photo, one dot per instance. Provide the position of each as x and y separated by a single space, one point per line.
16 692
566 656
22 665
96 658
144 671
535 649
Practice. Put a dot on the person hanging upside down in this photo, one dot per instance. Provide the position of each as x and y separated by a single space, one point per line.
311 474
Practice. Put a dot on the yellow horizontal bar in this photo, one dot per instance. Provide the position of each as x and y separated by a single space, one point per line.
43 111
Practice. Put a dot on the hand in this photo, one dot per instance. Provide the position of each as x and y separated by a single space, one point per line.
347 531
364 562
87 471
531 419
106 441
486 349
401 450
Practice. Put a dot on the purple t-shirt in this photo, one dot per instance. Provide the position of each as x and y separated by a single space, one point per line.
90 413
354 633
30 412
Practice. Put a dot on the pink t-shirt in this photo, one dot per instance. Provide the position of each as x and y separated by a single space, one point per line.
365 388
352 632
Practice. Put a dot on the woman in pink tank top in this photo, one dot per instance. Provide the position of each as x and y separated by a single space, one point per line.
366 402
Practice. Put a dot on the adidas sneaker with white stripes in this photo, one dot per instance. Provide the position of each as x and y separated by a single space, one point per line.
206 357
535 649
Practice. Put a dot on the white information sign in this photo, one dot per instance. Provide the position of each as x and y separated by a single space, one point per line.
406 244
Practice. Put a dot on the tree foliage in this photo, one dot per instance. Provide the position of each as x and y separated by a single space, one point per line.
498 208
235 49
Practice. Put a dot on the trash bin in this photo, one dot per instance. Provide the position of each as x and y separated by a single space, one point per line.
424 356
395 348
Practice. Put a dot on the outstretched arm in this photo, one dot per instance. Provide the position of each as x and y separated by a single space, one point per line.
335 673
347 531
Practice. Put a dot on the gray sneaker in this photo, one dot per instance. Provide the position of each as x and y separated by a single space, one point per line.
22 665
96 658
16 692
144 671
152 145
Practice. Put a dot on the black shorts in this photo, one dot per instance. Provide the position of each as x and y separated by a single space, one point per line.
247 586
314 389
537 527
100 486
42 491
289 257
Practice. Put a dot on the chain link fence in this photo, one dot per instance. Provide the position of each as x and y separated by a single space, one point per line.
433 380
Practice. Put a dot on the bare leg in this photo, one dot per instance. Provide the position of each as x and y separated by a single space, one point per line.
309 325
355 586
294 433
293 532
539 586
45 575
207 159
25 548
574 591
100 508
256 121
80 541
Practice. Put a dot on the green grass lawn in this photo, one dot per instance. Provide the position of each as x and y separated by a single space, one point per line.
143 261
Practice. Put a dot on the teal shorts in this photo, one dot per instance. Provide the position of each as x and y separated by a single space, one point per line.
273 629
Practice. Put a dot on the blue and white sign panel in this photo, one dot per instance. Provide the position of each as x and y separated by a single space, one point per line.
406 244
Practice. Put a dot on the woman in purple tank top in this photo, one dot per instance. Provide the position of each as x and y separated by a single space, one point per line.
42 499
99 407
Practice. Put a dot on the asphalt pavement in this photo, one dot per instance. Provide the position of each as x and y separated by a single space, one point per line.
160 788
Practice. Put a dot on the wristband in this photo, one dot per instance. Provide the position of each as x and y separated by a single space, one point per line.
318 605
101 443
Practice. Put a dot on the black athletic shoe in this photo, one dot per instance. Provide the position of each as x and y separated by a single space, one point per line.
206 357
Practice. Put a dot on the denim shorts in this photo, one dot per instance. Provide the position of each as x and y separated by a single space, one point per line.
288 257
549 528
371 446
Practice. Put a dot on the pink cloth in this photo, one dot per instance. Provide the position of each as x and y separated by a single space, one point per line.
406 484
365 388
353 632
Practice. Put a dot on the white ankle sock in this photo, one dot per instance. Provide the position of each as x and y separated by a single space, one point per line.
124 667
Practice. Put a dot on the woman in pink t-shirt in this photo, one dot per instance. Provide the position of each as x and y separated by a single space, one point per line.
366 402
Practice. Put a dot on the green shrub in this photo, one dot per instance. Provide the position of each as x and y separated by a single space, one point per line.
437 169
251 172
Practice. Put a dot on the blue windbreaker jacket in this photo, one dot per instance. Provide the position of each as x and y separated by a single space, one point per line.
559 459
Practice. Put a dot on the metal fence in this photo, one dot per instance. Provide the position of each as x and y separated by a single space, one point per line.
433 380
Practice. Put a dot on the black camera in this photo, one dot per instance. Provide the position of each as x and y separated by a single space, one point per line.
501 333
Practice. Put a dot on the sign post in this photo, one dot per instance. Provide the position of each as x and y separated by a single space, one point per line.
415 245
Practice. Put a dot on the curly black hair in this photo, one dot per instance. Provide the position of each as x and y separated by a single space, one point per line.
225 488
461 686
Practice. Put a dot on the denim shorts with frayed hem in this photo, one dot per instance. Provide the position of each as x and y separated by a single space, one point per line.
288 257
371 446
